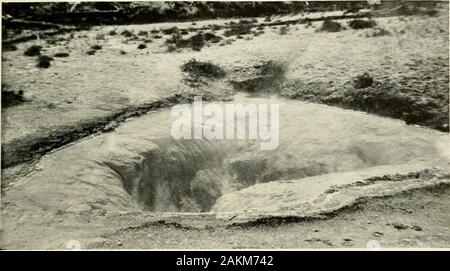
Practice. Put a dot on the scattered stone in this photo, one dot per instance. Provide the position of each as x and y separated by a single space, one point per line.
377 234
399 226
416 228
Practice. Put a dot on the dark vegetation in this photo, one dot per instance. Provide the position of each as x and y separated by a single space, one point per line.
243 27
361 23
199 72
127 33
61 55
363 81
96 13
10 97
142 46
195 42
9 47
142 33
96 47
33 50
44 61
283 30
330 26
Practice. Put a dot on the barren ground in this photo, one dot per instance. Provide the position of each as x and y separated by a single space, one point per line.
85 94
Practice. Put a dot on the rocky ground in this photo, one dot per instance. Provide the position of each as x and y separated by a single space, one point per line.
412 220
98 78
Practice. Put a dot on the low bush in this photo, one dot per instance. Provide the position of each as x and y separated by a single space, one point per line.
198 71
33 50
364 80
10 97
362 24
44 61
330 26
61 55
96 47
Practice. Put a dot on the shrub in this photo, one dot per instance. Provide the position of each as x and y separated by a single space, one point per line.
211 37
9 47
112 32
197 42
364 80
171 48
100 37
61 55
197 69
216 27
33 50
91 52
242 28
10 97
127 33
361 24
142 33
169 31
44 61
142 46
96 47
330 26
122 52
283 30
